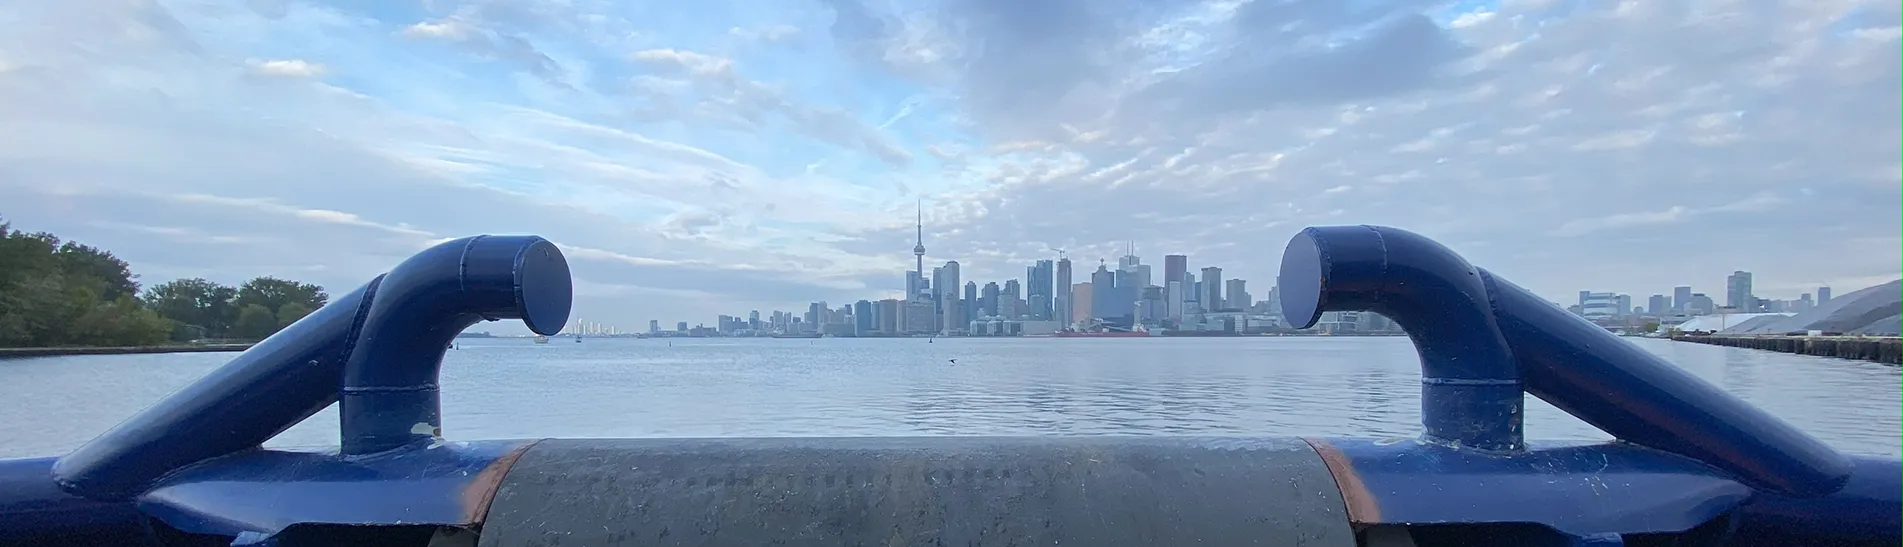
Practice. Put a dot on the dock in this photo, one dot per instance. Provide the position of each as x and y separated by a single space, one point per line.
22 353
1887 350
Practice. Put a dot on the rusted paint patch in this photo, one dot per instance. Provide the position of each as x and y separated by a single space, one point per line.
1362 507
482 489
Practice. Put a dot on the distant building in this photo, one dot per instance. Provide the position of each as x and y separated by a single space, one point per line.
1598 305
1174 266
1238 296
988 300
862 318
886 315
1038 294
1738 291
919 316
1062 302
969 302
1081 299
1701 305
1823 295
1211 294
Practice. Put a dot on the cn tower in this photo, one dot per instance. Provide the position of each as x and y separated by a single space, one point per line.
918 251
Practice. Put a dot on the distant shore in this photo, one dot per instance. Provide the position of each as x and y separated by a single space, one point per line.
22 353
1880 349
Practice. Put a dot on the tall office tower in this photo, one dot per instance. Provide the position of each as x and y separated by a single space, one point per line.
1063 301
1212 289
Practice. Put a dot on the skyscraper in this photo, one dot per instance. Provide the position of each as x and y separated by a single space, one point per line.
1129 259
1174 266
1738 291
1139 272
1681 298
1212 289
970 301
1103 293
947 289
988 300
1823 295
862 318
1238 294
1064 300
1038 290
945 292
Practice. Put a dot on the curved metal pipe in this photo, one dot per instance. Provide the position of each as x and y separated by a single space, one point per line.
390 396
264 391
1470 386
1461 320
1639 397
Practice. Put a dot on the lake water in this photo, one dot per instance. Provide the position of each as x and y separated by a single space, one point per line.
512 388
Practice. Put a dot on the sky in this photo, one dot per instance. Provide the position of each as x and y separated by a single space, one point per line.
709 157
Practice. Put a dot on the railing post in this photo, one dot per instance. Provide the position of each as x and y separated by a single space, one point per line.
1470 387
390 393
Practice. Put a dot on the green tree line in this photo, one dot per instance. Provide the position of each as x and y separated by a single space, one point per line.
57 293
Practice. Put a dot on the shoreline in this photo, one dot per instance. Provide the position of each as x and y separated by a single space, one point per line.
24 353
1885 350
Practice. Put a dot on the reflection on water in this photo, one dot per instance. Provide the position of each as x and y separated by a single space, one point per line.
844 387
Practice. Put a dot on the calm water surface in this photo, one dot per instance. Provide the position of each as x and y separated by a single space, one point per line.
507 388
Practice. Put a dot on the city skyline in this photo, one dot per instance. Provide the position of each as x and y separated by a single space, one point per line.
1738 293
697 157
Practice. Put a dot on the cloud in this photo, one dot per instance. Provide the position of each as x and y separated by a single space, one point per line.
699 159
296 68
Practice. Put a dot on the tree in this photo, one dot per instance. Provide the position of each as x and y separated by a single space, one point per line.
254 322
273 293
121 322
112 276
194 302
54 294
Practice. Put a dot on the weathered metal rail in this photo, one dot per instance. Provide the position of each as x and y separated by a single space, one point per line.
1693 465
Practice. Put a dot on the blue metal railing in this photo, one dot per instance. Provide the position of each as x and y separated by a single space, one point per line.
1470 385
380 345
1692 461
1463 318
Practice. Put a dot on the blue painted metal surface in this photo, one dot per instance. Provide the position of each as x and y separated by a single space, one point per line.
1694 465
275 384
1470 386
1639 397
448 484
297 372
390 397
1564 359
1582 490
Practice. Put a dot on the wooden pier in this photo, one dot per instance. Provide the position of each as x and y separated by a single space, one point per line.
1887 350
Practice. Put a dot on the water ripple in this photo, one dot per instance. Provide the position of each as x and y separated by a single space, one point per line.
843 387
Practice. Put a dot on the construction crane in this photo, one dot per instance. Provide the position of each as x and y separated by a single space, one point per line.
1060 252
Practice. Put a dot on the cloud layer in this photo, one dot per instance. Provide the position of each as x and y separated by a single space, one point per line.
706 158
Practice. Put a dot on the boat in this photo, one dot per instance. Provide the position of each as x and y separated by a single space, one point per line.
1691 463
541 339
